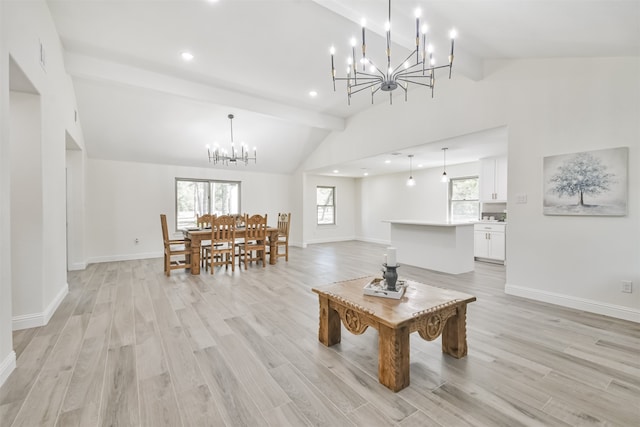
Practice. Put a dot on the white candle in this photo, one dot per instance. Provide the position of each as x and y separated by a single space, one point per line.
391 257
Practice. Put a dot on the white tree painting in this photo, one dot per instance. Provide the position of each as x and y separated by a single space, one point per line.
586 183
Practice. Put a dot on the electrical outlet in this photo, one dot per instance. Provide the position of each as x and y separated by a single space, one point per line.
627 286
137 240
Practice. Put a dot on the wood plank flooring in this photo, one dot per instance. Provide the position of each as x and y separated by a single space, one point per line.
131 347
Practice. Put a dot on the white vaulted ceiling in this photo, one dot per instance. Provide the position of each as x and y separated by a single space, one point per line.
259 59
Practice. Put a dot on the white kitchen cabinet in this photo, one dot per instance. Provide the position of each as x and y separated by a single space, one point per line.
493 179
489 241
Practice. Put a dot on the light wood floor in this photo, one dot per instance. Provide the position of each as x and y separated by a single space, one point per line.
130 347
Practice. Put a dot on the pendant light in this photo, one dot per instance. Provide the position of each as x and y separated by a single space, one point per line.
411 182
444 178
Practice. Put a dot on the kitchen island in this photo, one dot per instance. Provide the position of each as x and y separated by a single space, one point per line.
440 246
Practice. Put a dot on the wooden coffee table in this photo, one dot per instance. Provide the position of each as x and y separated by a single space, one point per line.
429 310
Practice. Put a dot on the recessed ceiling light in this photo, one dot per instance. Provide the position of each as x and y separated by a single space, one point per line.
187 56
366 174
313 93
421 165
336 171
387 161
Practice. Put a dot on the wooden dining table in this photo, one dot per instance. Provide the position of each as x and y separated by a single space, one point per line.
195 237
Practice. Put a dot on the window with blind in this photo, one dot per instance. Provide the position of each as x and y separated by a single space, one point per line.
326 204
464 201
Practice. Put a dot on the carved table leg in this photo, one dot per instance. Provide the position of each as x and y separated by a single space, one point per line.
195 257
393 357
329 332
273 248
454 335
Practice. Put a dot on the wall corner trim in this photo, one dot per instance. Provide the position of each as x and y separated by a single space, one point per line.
34 320
7 366
591 306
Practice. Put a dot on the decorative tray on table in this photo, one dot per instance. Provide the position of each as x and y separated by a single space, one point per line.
378 288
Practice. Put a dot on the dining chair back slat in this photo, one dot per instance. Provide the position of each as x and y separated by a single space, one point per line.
223 236
204 221
253 248
284 225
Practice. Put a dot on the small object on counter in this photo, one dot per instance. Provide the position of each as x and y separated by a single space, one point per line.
378 288
390 276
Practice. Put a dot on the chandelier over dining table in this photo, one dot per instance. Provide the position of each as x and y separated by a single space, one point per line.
233 156
418 68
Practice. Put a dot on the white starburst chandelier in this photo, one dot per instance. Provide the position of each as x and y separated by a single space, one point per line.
418 68
233 156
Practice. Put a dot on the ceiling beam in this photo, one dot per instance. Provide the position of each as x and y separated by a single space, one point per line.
91 68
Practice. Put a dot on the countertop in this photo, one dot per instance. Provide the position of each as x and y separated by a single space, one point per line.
427 223
491 222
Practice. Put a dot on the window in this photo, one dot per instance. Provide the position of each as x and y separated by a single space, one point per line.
464 203
325 200
195 197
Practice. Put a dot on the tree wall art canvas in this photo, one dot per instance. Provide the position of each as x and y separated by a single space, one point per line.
586 183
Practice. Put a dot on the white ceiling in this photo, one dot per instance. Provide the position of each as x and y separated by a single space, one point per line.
138 100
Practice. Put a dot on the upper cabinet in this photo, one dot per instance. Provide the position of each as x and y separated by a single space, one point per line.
493 179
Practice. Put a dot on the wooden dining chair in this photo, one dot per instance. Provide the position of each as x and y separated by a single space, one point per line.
284 223
222 250
204 221
174 248
253 248
239 226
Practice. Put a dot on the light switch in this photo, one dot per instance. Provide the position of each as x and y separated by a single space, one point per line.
521 198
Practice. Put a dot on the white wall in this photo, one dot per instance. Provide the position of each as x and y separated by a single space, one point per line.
26 205
7 355
75 160
557 107
346 202
124 201
387 197
24 26
29 24
550 107
297 186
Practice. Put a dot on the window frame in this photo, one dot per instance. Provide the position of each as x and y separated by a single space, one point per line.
333 205
452 200
210 200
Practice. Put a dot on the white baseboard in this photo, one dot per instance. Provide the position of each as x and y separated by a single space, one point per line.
33 320
76 266
7 366
128 257
369 240
591 306
329 240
